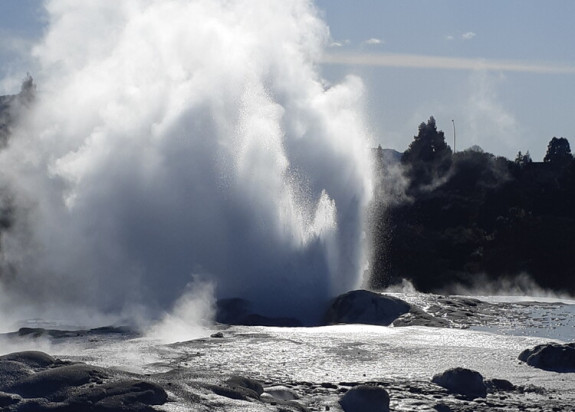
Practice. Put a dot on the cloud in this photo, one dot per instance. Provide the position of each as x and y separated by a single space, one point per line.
468 36
340 43
373 41
441 62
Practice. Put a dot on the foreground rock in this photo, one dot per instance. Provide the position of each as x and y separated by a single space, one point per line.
362 306
365 398
462 381
35 381
120 332
551 356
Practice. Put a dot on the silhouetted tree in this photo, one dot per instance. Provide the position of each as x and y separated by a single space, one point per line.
487 215
428 156
523 159
558 152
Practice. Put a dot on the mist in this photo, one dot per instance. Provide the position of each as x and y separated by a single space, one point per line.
180 138
521 285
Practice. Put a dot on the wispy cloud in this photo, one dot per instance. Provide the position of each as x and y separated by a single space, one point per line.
345 42
465 36
373 41
446 63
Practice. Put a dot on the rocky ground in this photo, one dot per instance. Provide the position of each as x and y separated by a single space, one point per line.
331 368
35 381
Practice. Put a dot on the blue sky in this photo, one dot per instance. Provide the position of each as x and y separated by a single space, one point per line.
503 70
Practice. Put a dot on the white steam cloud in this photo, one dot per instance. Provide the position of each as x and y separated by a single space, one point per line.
490 124
177 137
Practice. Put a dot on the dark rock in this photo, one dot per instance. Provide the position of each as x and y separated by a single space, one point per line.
33 359
362 306
499 385
12 372
441 407
218 335
113 330
462 381
63 334
282 393
417 317
236 392
53 383
241 381
238 387
551 356
7 399
121 395
36 382
364 398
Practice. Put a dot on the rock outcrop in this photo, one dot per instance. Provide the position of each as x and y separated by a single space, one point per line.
462 381
551 356
364 398
35 381
362 306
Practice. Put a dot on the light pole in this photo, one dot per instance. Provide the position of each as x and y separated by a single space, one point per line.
453 122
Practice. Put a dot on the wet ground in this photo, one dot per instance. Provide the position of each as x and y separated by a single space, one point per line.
311 368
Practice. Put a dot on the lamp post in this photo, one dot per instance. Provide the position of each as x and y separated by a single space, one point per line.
453 122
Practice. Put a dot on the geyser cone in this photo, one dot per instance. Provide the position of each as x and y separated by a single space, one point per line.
175 138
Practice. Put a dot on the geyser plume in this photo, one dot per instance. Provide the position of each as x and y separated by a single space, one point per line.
173 138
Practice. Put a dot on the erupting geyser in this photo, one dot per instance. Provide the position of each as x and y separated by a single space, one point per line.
181 138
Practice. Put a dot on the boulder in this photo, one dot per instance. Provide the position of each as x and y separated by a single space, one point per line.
12 372
54 383
241 381
65 334
462 381
34 359
7 399
551 356
35 381
123 395
282 393
417 317
238 387
362 306
499 385
364 398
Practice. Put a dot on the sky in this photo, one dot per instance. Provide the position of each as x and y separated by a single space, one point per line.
502 72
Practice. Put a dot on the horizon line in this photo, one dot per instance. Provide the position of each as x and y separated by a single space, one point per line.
417 61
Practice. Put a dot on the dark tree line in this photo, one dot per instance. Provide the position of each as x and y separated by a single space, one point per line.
471 213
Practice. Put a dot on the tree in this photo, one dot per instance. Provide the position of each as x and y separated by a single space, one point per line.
558 152
523 159
428 155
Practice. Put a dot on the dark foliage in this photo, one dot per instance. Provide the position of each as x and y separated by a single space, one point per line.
558 151
428 156
486 215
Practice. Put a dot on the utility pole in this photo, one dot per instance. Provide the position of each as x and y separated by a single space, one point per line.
453 122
